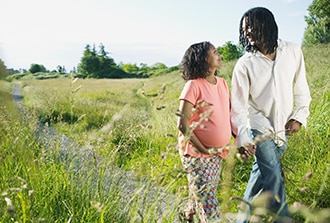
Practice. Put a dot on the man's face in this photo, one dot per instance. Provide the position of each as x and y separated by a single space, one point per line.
247 30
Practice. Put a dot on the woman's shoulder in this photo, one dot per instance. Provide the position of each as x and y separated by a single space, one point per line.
194 83
197 81
221 80
222 83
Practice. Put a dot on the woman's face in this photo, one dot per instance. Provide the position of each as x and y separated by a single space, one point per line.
214 57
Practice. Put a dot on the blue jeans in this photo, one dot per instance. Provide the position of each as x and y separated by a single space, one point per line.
267 176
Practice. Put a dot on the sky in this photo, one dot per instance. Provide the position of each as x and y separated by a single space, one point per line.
55 32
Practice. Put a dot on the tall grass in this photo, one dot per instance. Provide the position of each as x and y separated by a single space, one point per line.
308 159
39 185
131 124
35 187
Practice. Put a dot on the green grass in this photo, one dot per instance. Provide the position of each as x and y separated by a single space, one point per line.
131 124
35 187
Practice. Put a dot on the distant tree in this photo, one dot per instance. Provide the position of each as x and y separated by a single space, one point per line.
102 51
3 70
61 69
143 66
105 61
229 51
89 63
12 71
160 66
22 70
318 23
96 65
34 68
144 69
130 68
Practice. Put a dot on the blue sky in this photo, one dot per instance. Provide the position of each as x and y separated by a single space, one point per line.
55 32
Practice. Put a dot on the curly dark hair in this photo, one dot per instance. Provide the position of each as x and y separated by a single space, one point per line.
263 27
194 63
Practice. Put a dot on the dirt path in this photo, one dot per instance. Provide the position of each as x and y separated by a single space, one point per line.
85 163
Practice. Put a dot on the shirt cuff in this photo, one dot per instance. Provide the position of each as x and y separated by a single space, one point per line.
245 137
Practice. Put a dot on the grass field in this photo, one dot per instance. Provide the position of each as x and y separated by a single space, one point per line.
132 124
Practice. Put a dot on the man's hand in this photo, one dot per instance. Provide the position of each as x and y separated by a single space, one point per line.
247 150
291 127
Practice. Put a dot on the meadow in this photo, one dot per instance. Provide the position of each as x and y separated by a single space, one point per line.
131 125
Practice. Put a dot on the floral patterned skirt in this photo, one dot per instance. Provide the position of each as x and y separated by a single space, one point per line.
203 181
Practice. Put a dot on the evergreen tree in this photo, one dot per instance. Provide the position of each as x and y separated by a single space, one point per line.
96 64
106 62
89 63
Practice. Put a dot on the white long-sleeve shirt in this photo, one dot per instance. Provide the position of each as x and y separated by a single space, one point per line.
265 94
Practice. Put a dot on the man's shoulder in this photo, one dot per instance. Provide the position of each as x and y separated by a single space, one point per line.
282 44
247 56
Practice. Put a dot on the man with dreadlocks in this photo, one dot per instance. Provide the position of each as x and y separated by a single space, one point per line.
269 94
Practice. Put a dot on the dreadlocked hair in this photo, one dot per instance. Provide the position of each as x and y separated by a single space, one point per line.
263 27
194 63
